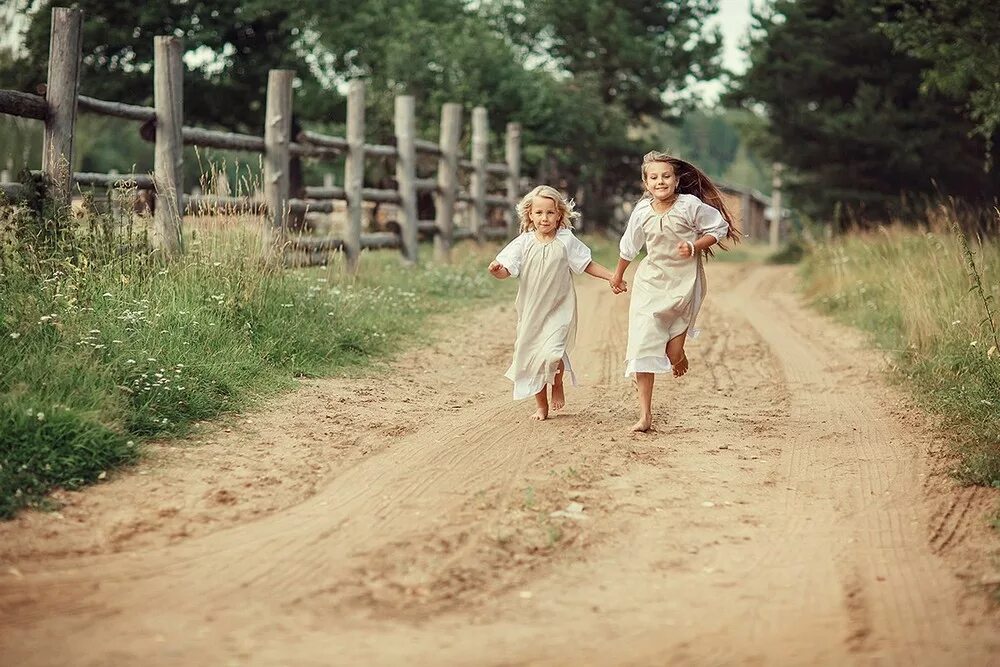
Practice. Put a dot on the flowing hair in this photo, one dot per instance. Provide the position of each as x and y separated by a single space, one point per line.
565 207
693 181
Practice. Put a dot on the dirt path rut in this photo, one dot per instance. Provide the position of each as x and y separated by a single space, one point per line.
789 509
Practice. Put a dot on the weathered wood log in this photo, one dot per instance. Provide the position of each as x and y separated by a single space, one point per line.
380 150
307 150
513 155
354 171
24 105
381 196
447 179
277 137
429 147
311 205
62 88
196 136
116 109
212 204
477 184
381 240
425 184
168 158
141 181
324 140
406 173
315 192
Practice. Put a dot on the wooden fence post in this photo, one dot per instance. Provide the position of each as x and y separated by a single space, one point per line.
513 153
406 171
480 154
277 137
776 206
444 206
354 172
61 91
168 160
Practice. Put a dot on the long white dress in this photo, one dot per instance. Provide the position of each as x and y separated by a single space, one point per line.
667 290
546 307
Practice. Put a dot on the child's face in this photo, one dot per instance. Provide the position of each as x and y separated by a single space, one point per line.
660 180
544 215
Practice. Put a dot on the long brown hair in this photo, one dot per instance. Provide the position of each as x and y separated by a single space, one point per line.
693 181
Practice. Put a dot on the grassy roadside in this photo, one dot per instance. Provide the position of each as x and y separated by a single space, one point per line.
103 345
910 289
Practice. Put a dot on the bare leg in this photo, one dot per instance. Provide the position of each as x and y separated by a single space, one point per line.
558 395
542 401
644 385
675 352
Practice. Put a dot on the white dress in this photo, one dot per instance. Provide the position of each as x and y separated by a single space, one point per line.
667 290
546 307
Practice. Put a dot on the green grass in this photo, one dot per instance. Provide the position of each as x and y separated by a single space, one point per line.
103 345
911 290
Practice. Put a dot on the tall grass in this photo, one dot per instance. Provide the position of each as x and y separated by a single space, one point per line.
103 345
927 296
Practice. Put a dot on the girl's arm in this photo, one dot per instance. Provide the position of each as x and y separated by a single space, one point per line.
632 241
602 272
685 248
617 280
498 271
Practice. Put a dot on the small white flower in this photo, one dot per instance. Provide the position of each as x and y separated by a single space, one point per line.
15 335
130 361
40 416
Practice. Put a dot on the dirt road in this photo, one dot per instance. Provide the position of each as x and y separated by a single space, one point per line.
790 508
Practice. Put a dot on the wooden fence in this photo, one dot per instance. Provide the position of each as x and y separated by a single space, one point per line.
61 102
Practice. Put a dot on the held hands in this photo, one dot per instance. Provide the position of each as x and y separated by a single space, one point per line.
497 270
685 249
617 285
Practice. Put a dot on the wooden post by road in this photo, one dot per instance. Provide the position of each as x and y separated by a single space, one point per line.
513 154
776 206
406 173
444 205
61 91
480 153
277 162
168 160
354 172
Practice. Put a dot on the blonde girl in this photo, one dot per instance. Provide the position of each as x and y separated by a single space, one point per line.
681 216
544 257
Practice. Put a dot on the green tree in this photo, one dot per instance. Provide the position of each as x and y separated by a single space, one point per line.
618 63
957 39
230 46
846 113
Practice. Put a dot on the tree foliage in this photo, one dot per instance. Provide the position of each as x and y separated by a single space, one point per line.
957 39
847 113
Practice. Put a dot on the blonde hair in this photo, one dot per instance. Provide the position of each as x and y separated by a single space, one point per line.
565 207
693 181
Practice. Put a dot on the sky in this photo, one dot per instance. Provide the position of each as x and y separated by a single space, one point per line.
734 20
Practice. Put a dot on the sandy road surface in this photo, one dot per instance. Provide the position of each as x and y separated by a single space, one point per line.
789 509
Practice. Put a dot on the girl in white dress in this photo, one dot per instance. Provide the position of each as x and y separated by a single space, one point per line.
681 217
544 257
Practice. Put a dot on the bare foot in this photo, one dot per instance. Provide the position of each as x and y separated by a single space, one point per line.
558 397
541 414
643 425
681 367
